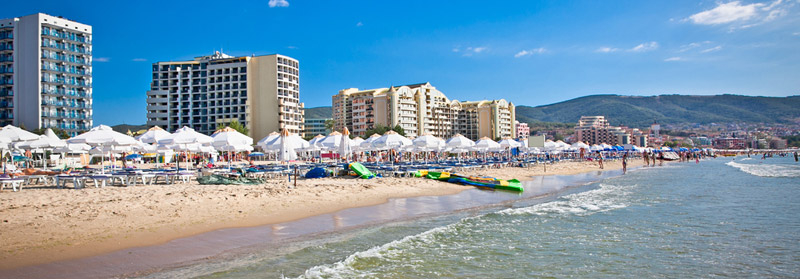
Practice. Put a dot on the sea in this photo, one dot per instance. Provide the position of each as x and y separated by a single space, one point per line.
719 218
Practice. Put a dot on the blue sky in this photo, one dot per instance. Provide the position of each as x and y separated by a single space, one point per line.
528 52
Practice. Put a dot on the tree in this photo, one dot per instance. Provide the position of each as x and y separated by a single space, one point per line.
59 132
234 125
380 130
329 123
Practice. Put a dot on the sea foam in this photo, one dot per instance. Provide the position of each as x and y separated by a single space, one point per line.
767 170
607 197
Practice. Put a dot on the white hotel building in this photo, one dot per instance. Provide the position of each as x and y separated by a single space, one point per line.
46 73
261 92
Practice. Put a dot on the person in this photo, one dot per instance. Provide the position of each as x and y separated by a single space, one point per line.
600 159
646 159
795 156
624 163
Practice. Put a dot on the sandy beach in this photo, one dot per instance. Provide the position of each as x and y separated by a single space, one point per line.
41 225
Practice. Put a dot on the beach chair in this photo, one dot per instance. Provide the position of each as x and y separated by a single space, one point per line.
14 182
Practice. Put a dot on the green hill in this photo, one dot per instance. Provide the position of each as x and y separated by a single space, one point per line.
319 112
636 111
124 128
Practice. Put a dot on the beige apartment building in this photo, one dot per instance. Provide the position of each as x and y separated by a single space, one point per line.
596 130
420 109
261 92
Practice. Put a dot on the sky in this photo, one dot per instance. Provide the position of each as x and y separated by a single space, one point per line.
527 52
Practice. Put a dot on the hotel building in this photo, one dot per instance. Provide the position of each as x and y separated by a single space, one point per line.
596 130
46 73
261 92
522 131
420 109
316 126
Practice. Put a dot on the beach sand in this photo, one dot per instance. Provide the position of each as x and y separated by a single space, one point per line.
40 225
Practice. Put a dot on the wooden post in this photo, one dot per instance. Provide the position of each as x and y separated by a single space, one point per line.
295 176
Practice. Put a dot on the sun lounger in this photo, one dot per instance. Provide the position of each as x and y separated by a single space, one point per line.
14 182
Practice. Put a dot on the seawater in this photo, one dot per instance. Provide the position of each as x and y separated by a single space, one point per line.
725 217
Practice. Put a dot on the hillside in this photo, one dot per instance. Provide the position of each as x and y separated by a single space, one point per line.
638 111
124 128
319 112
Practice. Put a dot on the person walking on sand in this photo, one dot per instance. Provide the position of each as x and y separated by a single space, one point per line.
624 163
646 159
600 159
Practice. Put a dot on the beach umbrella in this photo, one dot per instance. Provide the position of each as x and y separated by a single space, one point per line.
355 143
268 138
580 144
286 152
549 145
391 140
332 141
316 140
133 156
47 141
183 137
228 139
345 147
459 142
153 135
509 143
293 141
367 143
255 154
103 136
485 144
13 134
428 142
73 148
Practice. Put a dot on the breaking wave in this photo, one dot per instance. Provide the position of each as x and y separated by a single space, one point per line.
767 170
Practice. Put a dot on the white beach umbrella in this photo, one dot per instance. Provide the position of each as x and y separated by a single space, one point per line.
186 135
549 145
15 134
428 142
486 144
345 147
391 140
595 147
332 141
229 139
367 143
153 135
73 148
459 142
580 144
509 143
355 143
293 141
286 152
47 141
103 136
316 140
272 136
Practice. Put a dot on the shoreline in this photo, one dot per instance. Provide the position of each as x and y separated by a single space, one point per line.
311 198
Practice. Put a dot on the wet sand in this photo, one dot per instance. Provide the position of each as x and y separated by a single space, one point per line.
49 225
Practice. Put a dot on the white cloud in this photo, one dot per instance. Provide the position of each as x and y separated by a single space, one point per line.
716 48
138 59
469 51
291 47
671 59
796 33
278 3
529 52
645 47
359 24
735 12
101 59
690 46
606 49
